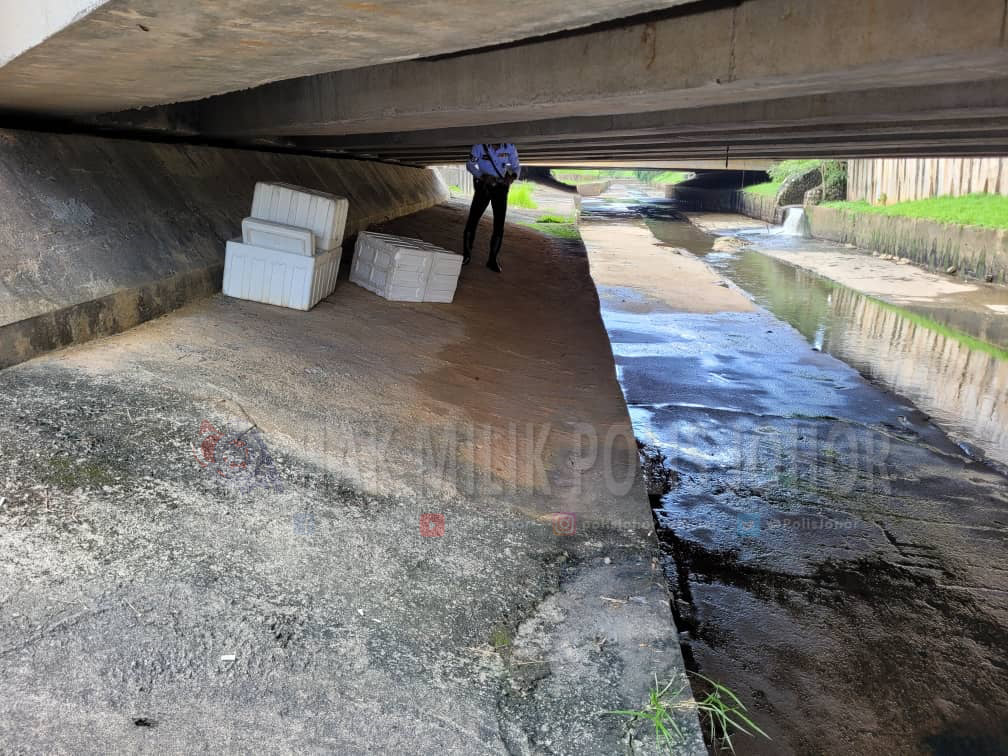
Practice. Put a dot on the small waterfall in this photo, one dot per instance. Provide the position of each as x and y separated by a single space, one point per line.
794 222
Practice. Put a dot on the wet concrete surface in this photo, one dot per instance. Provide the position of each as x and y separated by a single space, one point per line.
940 342
371 563
835 558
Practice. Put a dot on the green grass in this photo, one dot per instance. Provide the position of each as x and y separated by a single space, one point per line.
670 177
833 171
562 230
984 210
455 189
550 218
650 175
65 473
785 169
591 174
722 709
520 195
767 188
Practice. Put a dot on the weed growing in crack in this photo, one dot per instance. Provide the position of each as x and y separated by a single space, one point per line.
660 713
724 712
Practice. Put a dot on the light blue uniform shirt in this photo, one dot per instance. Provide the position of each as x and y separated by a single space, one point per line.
493 161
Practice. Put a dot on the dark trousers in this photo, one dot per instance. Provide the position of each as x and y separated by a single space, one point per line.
487 194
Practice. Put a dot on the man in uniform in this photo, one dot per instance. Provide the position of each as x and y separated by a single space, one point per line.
494 168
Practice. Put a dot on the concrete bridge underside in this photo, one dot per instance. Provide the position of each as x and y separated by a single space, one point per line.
607 83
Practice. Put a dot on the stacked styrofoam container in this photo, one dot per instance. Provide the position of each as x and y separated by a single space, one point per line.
290 250
323 214
405 270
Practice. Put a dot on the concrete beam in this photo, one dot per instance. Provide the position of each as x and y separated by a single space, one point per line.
664 165
722 55
961 104
896 117
728 143
131 53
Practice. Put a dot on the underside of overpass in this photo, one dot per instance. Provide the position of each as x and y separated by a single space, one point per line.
633 83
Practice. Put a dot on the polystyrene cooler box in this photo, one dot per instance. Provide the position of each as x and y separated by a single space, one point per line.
323 214
443 278
260 233
279 278
405 270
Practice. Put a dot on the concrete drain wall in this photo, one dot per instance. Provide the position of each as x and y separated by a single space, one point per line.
98 235
974 252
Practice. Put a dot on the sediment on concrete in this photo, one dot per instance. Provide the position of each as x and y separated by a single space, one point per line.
972 251
726 201
98 235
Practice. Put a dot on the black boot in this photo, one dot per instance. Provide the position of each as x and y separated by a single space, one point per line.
468 239
495 245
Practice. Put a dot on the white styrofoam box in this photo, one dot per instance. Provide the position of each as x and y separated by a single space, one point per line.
443 278
279 278
403 269
323 214
260 233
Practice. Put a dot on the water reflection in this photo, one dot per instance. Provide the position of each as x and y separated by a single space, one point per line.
961 381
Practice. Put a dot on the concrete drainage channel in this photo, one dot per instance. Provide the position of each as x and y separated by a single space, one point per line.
397 578
835 557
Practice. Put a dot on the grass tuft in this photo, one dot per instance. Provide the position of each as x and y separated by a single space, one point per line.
500 637
562 230
725 714
520 195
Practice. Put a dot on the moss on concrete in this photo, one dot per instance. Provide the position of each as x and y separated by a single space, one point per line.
69 474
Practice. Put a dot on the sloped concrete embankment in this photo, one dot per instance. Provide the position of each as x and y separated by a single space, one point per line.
300 600
726 201
98 235
977 252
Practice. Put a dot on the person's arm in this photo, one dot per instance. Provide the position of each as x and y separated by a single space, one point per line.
513 158
473 166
